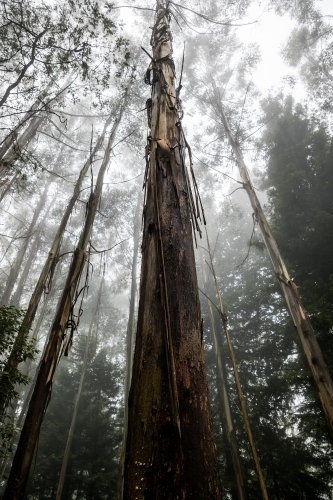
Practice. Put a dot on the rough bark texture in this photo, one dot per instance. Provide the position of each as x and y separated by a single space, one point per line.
170 450
57 341
313 353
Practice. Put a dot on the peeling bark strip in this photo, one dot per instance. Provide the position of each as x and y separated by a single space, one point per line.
170 452
312 351
57 341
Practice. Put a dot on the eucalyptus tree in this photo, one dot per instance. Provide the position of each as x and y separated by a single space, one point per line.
170 446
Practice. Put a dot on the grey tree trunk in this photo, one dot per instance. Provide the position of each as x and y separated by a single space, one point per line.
15 269
14 144
20 145
307 336
12 137
57 342
227 421
130 339
78 398
241 399
51 261
15 301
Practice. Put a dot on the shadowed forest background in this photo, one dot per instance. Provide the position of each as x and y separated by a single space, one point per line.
75 101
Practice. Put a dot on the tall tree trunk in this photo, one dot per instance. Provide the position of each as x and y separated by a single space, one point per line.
78 399
32 254
170 450
312 351
50 264
227 421
130 338
20 256
26 446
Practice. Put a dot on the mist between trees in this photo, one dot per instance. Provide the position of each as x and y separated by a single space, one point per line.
166 238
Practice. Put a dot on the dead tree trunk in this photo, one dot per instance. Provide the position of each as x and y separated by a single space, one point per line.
312 351
14 271
50 264
78 398
227 421
170 450
57 342
130 338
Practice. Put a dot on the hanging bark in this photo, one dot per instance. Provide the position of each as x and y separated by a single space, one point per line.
15 269
78 398
170 450
312 351
228 427
130 338
45 278
57 343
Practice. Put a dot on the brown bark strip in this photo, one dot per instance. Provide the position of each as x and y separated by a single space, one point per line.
170 451
306 333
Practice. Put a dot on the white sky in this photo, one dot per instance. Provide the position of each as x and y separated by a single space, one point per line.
271 33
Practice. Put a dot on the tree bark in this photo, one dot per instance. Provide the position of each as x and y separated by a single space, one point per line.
312 351
170 450
39 400
78 399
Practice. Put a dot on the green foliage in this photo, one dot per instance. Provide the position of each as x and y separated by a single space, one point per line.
10 328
